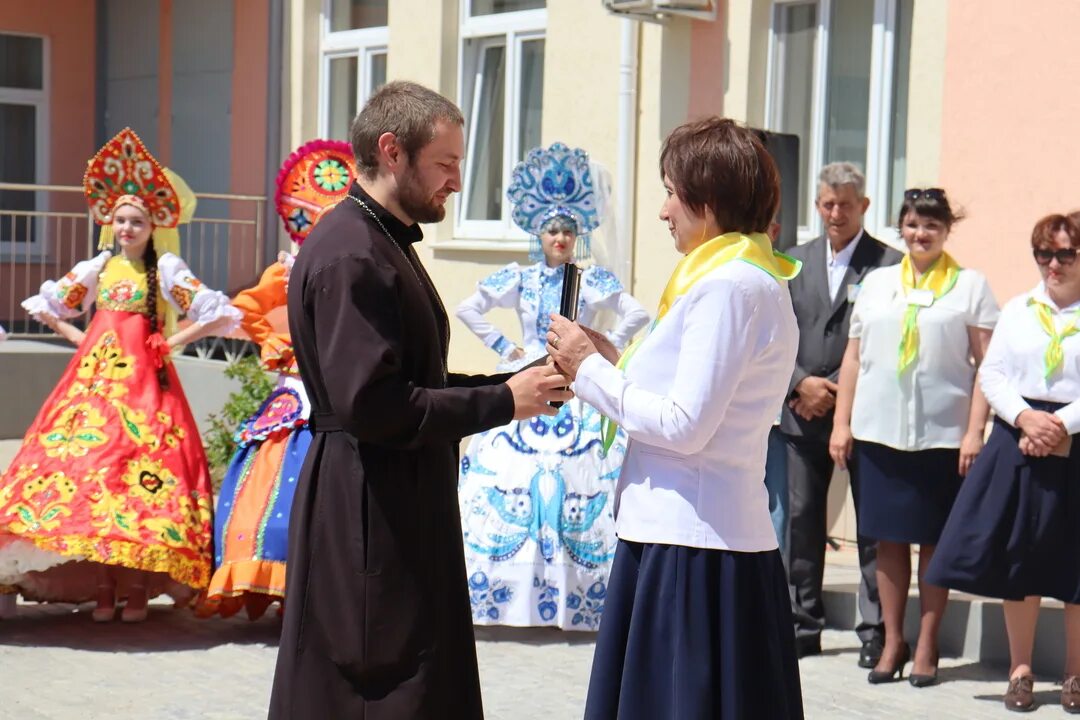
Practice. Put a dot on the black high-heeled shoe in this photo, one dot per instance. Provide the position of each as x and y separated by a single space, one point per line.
920 680
876 677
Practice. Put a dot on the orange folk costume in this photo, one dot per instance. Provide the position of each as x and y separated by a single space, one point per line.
251 523
112 470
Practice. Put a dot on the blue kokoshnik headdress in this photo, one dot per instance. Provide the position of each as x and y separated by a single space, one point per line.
552 183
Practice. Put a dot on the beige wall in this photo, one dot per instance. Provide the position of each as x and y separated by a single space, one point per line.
1009 130
744 60
925 92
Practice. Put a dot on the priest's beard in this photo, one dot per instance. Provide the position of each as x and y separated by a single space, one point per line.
415 200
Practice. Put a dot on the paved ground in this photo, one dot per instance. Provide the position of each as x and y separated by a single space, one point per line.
55 664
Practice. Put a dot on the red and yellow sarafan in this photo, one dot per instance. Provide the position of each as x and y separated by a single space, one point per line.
112 469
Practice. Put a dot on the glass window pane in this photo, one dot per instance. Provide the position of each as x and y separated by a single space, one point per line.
901 80
376 72
847 81
485 182
794 92
532 96
356 14
491 7
341 96
21 62
18 164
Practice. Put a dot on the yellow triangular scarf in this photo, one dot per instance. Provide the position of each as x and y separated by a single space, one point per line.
1055 356
940 278
755 249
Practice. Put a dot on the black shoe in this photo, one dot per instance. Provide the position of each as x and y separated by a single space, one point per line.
871 652
920 681
876 677
807 646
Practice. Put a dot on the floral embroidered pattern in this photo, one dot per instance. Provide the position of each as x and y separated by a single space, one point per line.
150 481
106 360
71 293
127 295
78 430
587 605
487 597
45 500
331 175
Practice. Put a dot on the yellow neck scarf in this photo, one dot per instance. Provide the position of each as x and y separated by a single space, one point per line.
755 249
1055 356
939 279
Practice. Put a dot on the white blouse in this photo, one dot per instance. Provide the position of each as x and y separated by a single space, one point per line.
697 401
928 406
1014 368
176 281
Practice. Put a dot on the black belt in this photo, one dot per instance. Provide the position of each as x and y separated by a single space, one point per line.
324 423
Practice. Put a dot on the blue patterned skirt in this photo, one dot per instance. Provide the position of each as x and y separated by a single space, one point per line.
695 633
536 500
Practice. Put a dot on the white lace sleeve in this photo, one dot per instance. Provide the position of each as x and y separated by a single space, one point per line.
500 289
70 296
190 297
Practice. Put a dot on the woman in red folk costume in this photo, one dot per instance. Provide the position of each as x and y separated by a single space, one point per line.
251 524
109 496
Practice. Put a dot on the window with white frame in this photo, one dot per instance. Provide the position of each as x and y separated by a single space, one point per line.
354 40
23 127
838 79
502 88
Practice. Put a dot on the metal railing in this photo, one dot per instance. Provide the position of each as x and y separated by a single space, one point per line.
46 229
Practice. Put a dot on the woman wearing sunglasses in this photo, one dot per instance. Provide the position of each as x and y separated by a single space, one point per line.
1014 532
909 416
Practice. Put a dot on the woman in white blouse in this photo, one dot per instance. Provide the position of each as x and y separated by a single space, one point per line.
697 621
1014 532
909 416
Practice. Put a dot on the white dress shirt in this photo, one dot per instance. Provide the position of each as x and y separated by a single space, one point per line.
928 406
698 400
1014 368
838 263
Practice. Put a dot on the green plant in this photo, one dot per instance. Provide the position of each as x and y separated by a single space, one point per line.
255 386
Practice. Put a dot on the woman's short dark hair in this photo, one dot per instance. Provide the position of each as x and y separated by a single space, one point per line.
929 203
407 109
1045 231
717 164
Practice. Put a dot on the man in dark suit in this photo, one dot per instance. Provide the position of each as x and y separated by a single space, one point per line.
823 295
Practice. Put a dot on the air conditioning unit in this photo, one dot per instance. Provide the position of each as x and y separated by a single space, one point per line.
656 9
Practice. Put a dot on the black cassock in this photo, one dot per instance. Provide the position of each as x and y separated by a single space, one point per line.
377 618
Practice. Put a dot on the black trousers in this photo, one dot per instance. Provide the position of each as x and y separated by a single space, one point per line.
809 471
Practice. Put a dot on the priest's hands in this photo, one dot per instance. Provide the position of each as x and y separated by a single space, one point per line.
534 388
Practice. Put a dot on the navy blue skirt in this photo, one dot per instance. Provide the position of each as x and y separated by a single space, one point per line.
1015 529
905 497
694 633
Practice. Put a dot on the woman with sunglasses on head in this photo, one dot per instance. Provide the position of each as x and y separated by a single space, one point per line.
910 417
1015 530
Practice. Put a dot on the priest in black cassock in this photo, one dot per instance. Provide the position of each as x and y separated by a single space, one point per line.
377 620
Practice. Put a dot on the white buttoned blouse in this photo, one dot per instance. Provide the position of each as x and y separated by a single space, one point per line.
926 407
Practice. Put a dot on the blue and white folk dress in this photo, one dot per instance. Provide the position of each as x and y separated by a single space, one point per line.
536 496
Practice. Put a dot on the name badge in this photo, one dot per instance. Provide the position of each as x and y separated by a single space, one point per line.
853 292
921 297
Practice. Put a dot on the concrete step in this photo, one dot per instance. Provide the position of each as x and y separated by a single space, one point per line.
973 627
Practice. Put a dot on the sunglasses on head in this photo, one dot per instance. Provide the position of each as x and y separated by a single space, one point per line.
916 194
1065 256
